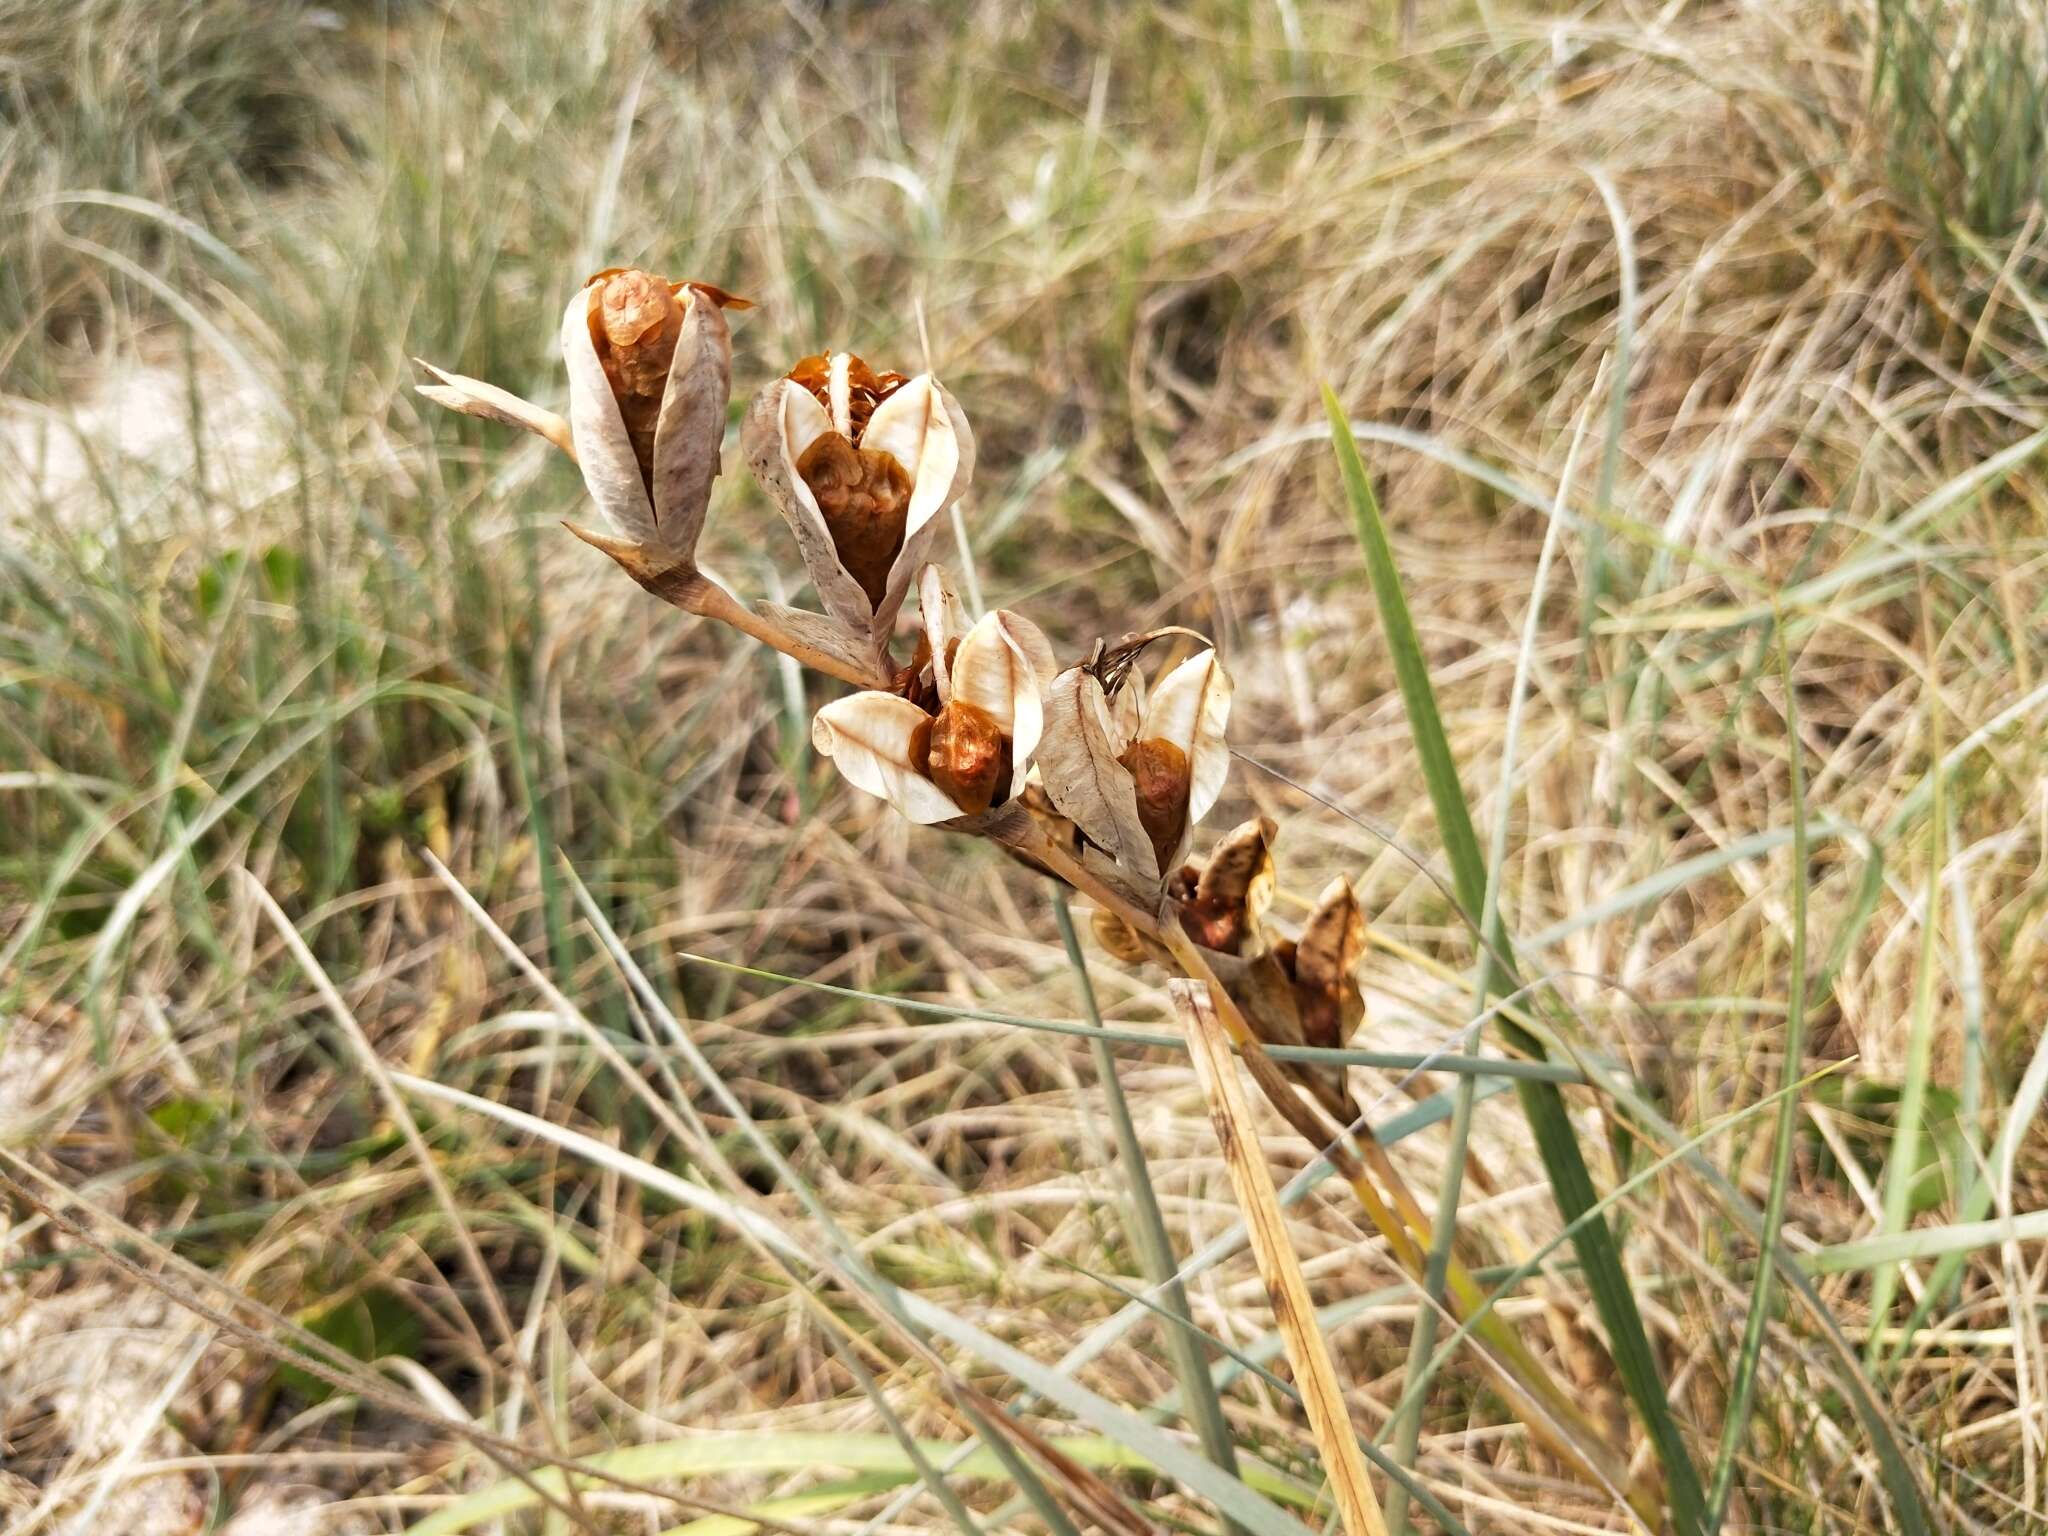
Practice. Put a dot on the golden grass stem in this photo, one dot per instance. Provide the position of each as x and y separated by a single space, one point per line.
1294 1313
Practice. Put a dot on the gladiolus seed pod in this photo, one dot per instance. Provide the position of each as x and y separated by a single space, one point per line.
860 464
650 371
958 737
1137 776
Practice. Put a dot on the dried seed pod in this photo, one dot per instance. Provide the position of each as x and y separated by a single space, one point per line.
1223 906
1116 937
958 736
967 756
635 321
860 464
864 497
1136 778
1325 971
1159 773
650 371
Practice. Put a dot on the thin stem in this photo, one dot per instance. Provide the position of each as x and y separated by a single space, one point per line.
707 599
1408 1429
682 585
1735 1423
1146 1225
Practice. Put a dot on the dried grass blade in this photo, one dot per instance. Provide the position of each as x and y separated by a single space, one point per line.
1294 1312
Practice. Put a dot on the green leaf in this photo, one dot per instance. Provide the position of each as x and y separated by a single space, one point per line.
1542 1103
1735 1422
371 1326
778 1452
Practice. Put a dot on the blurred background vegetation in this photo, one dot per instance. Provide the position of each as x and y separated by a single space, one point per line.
269 625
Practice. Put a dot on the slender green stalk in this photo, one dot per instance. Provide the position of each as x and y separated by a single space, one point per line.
1444 1230
1422 1343
1542 1103
1735 1423
1902 1168
1145 1224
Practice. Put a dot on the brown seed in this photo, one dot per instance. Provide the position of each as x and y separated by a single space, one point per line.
865 497
1160 771
635 320
866 388
968 757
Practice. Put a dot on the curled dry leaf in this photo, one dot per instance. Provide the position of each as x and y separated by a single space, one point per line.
1223 906
1112 663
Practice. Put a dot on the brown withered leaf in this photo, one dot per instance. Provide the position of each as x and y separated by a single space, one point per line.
1326 959
1226 910
1077 763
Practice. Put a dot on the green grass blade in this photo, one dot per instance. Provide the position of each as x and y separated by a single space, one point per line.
1910 1509
824 1499
1146 1226
1154 1039
1902 1167
2020 1118
774 1452
1152 1446
1735 1423
1953 1238
1617 418
1542 1103
1444 1230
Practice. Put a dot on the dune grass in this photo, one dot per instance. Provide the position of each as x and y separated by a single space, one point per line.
740 1133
